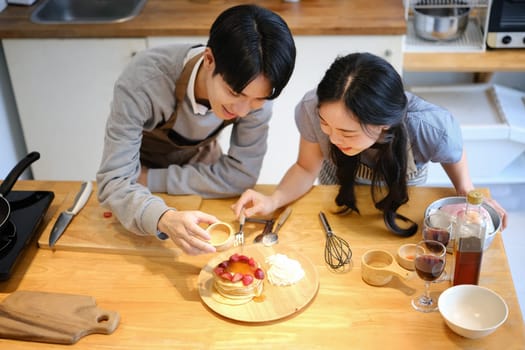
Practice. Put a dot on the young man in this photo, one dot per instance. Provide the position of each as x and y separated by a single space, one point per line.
168 108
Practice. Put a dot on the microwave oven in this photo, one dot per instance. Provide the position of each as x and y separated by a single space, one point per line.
506 27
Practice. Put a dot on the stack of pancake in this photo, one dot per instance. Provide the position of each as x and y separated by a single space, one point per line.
237 280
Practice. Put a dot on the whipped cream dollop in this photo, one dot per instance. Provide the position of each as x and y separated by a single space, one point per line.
283 271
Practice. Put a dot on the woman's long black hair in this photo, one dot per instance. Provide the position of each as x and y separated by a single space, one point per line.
373 91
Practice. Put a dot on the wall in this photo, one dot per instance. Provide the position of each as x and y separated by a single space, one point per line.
495 149
512 80
12 146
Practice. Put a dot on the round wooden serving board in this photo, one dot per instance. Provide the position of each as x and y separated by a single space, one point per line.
276 302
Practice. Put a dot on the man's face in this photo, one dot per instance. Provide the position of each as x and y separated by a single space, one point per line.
224 101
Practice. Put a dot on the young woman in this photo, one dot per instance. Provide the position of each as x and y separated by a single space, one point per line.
360 126
168 108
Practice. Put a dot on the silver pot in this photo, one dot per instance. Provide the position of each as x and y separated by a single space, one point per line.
496 218
447 23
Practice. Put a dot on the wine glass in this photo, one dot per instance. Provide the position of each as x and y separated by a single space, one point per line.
429 263
438 227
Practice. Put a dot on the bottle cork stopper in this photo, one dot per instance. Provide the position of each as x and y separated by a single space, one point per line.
475 197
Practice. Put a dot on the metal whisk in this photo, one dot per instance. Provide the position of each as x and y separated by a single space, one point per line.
337 251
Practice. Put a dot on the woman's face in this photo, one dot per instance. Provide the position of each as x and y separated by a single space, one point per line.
345 131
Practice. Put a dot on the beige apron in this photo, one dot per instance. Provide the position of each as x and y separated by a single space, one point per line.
414 176
162 146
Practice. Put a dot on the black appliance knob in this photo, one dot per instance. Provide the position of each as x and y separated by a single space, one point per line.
506 39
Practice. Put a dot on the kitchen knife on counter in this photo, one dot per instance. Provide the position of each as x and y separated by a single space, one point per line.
66 216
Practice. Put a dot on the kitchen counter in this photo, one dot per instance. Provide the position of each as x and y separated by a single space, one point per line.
160 306
309 17
186 17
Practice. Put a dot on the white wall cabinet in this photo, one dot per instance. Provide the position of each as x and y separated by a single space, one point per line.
314 56
63 89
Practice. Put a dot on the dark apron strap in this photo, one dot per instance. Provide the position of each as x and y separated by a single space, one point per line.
181 85
162 146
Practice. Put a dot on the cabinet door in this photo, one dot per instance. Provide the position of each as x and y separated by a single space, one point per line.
63 89
314 56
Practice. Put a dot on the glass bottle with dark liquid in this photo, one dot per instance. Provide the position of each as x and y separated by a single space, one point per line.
470 238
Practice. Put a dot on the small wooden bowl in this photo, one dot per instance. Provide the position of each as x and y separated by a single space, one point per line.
221 235
406 254
378 266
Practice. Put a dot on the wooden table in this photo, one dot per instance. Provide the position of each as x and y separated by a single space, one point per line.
160 306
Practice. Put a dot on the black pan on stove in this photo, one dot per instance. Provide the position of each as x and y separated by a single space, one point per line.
7 228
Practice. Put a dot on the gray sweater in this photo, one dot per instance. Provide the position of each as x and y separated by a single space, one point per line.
143 98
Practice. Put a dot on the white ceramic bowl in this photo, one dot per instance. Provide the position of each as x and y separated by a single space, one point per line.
496 219
472 311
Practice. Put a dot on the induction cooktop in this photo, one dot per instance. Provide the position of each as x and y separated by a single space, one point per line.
28 208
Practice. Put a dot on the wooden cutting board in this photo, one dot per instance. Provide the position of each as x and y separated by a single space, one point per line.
53 317
90 230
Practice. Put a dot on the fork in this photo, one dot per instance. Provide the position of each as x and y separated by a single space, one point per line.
239 236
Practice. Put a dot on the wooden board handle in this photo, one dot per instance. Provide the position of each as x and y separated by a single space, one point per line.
53 317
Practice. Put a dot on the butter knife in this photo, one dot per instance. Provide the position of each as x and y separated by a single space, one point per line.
66 216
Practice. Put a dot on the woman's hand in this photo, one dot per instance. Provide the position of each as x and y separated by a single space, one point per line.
500 210
253 203
184 230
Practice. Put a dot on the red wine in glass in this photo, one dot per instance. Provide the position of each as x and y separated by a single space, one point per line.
429 267
437 227
437 234
429 263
